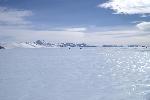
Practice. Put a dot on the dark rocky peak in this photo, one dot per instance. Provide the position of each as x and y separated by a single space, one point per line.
2 47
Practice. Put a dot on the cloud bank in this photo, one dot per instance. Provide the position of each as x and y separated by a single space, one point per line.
128 6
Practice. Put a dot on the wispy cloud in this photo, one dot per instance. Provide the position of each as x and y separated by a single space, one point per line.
76 29
10 16
140 31
14 26
128 6
145 26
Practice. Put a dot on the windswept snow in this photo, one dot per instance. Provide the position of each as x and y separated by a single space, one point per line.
75 74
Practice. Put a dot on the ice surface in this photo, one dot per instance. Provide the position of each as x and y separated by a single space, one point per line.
75 74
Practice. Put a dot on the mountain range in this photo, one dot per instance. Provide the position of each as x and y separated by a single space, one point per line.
41 44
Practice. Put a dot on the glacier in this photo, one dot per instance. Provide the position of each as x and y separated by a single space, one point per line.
75 74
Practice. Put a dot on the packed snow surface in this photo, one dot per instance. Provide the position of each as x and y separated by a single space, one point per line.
75 74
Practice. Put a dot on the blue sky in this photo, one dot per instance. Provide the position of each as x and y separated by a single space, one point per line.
69 12
94 21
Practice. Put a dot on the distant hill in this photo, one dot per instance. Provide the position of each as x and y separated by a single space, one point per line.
43 44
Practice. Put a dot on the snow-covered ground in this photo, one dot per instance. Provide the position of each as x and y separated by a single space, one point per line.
75 74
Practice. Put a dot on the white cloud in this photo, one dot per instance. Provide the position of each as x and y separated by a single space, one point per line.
13 16
143 16
77 29
126 36
145 26
29 34
14 26
128 6
105 36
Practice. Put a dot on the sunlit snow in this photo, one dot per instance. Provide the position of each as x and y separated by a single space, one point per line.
75 74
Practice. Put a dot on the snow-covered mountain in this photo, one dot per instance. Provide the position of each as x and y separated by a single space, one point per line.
42 44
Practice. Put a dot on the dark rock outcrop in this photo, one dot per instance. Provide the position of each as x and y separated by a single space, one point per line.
2 47
39 42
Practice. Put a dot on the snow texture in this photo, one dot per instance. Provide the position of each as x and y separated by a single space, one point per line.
75 74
